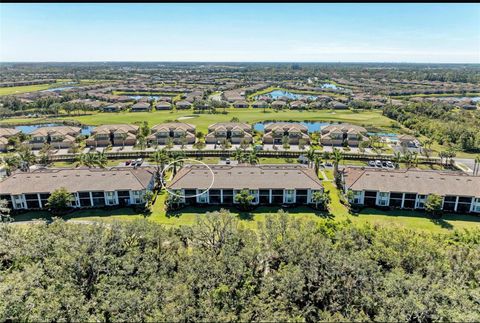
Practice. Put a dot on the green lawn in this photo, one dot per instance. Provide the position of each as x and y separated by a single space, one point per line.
40 87
202 121
24 89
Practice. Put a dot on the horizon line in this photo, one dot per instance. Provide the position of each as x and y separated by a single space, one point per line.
237 62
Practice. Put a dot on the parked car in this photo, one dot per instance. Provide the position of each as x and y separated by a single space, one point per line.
384 163
227 161
258 147
128 162
390 164
371 163
139 162
378 163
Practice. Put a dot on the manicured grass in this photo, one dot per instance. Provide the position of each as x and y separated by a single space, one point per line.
24 89
41 87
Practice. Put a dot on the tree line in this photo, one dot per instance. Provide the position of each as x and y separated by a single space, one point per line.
218 270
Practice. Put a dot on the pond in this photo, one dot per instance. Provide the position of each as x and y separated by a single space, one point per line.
86 130
384 135
138 97
293 96
58 89
312 126
330 86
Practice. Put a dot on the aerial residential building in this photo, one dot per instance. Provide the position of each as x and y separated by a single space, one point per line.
298 105
141 107
235 132
275 132
259 104
6 133
113 134
183 105
163 105
240 104
114 107
269 184
58 136
179 133
408 141
278 104
90 187
409 189
342 134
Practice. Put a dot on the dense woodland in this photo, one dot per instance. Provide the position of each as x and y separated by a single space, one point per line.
217 270
442 122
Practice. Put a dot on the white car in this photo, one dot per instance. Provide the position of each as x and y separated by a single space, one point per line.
378 163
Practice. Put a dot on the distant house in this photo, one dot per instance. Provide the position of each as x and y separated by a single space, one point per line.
259 104
275 132
114 107
409 189
408 141
240 104
340 134
298 105
269 184
179 133
58 137
141 107
235 132
278 104
183 105
6 133
90 187
338 105
113 134
163 105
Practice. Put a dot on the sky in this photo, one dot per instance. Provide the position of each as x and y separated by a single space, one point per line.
242 32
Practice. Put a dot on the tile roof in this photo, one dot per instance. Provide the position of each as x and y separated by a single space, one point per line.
253 177
76 180
413 181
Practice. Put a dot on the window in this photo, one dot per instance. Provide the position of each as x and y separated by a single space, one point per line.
18 201
84 198
110 198
255 194
289 196
301 196
202 198
98 198
137 197
383 198
421 201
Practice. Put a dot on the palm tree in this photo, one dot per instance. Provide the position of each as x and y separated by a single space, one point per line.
310 156
337 158
253 158
238 155
101 159
397 158
415 159
177 160
27 158
407 158
320 197
316 162
476 168
160 157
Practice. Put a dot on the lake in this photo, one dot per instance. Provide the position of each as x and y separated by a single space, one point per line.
138 97
59 89
312 126
330 86
293 96
86 130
